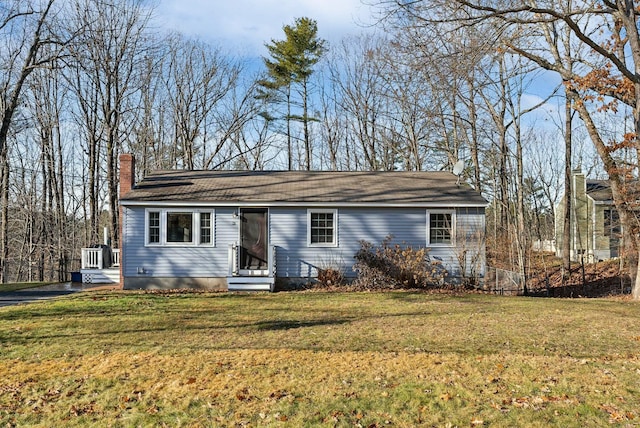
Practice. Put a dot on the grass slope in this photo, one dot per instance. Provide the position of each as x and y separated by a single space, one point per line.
15 286
319 359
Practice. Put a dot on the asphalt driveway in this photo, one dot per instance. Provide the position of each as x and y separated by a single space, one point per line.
47 292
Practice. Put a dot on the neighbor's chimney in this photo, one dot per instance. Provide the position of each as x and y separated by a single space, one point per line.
127 173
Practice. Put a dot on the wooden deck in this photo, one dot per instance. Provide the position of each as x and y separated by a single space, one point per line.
96 269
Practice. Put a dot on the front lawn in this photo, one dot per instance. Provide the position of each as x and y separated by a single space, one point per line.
319 359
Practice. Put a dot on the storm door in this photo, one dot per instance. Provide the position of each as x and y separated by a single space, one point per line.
254 241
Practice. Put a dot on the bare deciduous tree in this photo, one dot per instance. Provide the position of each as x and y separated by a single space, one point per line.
108 59
355 70
26 27
608 30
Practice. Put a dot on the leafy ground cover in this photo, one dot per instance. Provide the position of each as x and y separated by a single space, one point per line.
319 359
605 278
546 276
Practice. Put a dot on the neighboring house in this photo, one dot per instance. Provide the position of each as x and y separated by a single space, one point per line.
252 229
595 225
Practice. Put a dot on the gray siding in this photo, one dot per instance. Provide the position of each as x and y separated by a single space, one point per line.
174 261
408 227
470 242
288 232
295 259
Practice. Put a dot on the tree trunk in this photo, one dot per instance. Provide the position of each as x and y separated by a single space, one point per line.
473 144
4 217
521 235
635 290
566 218
305 124
289 145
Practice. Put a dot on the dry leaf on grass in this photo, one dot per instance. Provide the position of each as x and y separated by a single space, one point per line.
445 397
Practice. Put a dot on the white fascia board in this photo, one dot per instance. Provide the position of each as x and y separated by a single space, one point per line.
296 204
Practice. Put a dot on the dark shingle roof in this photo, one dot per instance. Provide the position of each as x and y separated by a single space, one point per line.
599 190
302 187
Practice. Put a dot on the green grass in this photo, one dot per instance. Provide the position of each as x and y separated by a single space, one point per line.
319 359
15 286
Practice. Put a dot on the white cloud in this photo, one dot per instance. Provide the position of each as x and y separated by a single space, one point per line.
530 101
246 25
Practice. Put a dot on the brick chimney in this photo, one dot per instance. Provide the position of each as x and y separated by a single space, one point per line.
127 173
127 181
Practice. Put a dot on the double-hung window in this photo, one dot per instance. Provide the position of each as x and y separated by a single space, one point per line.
179 227
153 227
440 227
322 228
205 228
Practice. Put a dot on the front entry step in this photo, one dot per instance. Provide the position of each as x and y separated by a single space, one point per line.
249 283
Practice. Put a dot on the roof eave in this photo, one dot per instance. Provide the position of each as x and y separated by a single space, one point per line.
135 203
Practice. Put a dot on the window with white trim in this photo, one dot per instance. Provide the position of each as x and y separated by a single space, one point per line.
205 228
440 227
153 228
322 226
179 227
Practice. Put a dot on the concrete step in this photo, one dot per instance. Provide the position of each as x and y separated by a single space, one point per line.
248 283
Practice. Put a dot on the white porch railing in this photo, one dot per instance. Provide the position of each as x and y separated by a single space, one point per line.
115 257
234 260
92 258
272 261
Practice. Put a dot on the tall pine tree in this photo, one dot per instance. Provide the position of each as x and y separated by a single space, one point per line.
289 70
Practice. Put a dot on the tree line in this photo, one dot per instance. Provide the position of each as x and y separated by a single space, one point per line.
593 46
82 81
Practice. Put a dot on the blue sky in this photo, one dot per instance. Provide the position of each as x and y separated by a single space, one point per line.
244 26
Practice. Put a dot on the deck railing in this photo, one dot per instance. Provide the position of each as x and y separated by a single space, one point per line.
115 257
233 259
92 258
272 261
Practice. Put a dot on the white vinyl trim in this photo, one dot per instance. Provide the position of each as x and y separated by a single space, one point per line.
334 212
195 225
452 212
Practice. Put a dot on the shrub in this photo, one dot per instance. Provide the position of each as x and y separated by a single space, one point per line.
331 271
330 277
395 266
